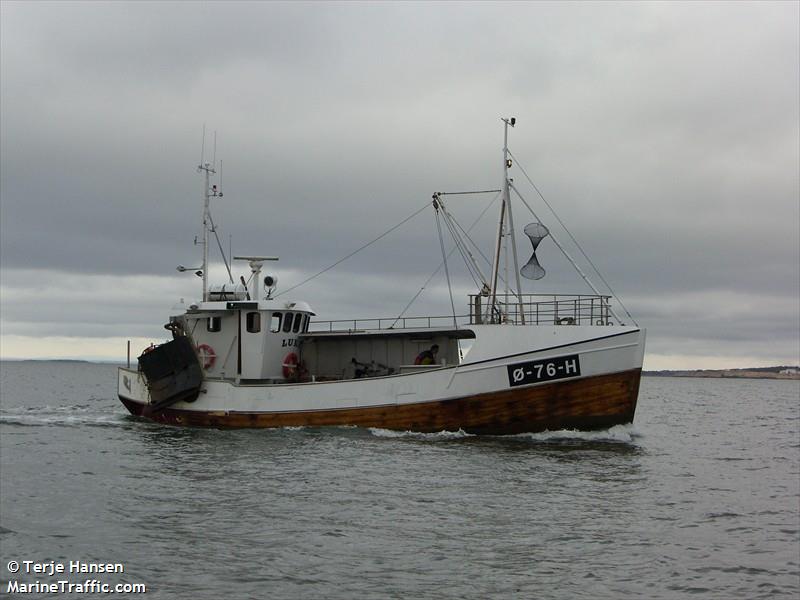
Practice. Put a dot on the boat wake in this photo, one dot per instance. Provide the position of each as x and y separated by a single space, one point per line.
76 415
617 433
439 435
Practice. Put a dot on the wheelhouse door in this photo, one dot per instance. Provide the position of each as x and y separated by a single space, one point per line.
252 327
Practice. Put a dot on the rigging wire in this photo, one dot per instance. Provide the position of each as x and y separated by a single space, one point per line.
476 278
441 264
354 252
422 289
465 193
474 245
569 233
221 251
483 256
471 241
456 231
574 264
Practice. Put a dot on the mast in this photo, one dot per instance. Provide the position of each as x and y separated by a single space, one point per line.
505 207
496 261
209 191
208 169
506 189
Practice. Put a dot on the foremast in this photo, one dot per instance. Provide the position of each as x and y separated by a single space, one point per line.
209 191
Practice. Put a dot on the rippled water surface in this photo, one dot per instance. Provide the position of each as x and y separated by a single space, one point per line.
699 498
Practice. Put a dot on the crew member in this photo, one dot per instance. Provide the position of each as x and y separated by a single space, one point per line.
427 357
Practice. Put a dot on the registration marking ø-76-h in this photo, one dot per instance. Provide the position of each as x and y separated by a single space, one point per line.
544 370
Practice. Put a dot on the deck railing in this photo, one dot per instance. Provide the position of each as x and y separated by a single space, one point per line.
538 309
388 323
541 309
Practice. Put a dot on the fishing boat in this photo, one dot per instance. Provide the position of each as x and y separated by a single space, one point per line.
245 355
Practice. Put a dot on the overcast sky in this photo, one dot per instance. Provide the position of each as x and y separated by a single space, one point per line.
666 136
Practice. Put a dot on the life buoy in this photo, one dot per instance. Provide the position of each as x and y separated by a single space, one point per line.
290 362
207 355
150 348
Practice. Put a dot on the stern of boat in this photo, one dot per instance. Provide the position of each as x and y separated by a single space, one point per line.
167 374
132 390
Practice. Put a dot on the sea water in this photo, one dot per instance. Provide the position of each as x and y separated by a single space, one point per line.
699 498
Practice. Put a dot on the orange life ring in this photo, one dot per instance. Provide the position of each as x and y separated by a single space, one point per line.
290 362
207 355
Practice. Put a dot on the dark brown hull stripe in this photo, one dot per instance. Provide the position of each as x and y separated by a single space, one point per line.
590 403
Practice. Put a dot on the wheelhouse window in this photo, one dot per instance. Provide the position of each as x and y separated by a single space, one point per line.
214 324
253 322
275 325
305 323
298 319
287 322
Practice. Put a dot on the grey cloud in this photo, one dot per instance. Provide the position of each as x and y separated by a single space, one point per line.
666 136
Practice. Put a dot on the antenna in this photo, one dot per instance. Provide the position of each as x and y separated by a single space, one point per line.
203 146
209 191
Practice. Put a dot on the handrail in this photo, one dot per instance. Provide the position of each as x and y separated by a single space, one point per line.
539 309
426 322
543 309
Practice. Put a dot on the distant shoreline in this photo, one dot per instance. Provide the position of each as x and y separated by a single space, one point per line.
80 361
752 373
